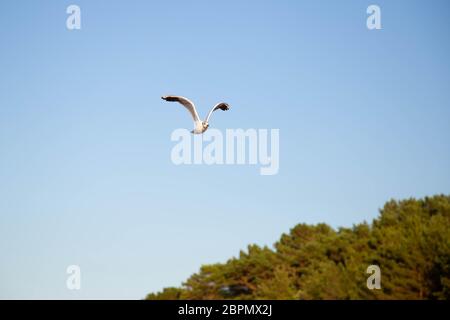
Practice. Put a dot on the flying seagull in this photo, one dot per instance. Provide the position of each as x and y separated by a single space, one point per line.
199 125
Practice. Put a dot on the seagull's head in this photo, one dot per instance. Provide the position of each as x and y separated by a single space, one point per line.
205 125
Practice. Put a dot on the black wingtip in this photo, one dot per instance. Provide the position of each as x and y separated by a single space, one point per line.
170 98
224 106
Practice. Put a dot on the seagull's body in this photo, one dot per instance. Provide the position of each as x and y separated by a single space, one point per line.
199 125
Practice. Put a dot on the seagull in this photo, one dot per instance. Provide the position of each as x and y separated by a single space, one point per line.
199 125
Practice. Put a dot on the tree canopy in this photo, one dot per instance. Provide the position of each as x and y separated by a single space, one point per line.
409 241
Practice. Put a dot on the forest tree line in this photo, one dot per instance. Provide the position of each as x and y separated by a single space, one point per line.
409 241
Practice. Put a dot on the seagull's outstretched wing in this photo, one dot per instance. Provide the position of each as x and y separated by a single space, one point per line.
222 106
185 102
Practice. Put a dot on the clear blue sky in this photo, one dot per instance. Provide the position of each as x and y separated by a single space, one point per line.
85 170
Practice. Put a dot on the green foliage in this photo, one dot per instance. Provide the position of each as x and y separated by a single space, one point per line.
167 294
409 241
